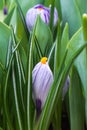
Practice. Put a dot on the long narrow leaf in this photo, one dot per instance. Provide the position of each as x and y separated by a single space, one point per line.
16 97
5 95
56 89
77 103
22 18
29 85
19 69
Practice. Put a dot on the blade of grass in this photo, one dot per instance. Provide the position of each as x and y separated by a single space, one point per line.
57 116
38 48
51 52
52 15
29 91
5 95
54 95
50 102
84 18
8 52
29 84
16 97
8 66
59 81
22 69
23 18
64 40
2 67
9 63
76 102
57 50
19 69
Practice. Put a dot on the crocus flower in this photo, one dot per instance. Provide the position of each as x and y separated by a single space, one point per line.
42 79
44 13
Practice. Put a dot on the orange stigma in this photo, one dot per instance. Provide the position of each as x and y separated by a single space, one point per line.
44 60
40 9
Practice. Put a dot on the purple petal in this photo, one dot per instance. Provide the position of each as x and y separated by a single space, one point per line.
42 81
42 7
5 10
38 104
44 13
38 108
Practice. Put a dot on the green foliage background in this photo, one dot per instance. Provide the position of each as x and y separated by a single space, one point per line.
66 49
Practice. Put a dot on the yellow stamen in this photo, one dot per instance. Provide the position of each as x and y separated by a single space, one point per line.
44 60
40 9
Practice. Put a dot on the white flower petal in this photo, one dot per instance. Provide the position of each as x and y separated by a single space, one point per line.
42 79
44 13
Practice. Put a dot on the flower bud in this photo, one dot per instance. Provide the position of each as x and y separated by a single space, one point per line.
44 13
42 79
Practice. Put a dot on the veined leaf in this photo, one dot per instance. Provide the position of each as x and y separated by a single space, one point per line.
76 102
71 15
5 33
15 19
64 40
57 57
44 41
56 89
30 110
82 6
81 66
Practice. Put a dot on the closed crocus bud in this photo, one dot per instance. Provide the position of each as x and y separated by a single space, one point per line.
42 79
44 13
65 88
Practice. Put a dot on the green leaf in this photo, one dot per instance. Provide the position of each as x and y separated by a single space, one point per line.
71 14
21 15
7 20
30 110
29 91
1 128
16 19
77 41
7 114
81 66
44 41
16 97
76 101
25 5
1 4
56 4
73 50
64 40
57 57
19 72
82 5
5 33
84 19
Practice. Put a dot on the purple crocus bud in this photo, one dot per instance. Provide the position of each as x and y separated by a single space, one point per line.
65 88
5 10
44 13
42 79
